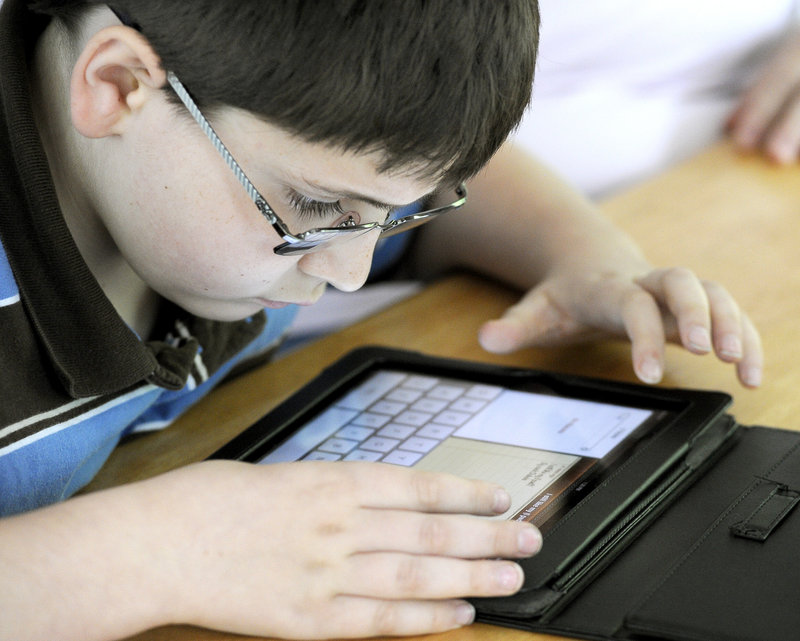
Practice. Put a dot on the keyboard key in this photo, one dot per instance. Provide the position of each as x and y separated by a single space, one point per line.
388 407
433 430
355 433
420 382
322 427
395 430
413 418
321 456
402 457
404 395
363 455
418 444
466 404
380 444
449 417
432 405
338 445
484 392
369 419
371 390
446 392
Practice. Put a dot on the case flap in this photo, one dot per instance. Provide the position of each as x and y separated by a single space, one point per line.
732 587
687 577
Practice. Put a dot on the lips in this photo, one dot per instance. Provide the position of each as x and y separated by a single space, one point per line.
272 304
278 304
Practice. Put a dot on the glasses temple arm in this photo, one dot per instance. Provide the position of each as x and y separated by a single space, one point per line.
208 130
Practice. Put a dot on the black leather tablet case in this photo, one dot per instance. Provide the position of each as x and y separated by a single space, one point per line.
717 559
694 537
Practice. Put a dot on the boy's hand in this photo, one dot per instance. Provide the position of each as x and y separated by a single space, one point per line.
768 115
319 550
660 305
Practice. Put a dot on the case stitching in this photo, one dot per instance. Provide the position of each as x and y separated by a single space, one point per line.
742 527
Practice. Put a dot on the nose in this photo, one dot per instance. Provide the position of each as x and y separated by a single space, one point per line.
344 265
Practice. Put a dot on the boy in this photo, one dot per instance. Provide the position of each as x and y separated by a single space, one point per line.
141 246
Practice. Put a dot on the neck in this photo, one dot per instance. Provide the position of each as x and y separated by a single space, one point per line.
78 173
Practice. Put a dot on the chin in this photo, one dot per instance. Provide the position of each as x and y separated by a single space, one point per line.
226 311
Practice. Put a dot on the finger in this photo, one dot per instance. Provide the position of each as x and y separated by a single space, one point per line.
750 368
763 103
387 575
642 319
503 336
445 535
380 485
520 326
782 140
352 617
750 121
536 320
687 300
726 322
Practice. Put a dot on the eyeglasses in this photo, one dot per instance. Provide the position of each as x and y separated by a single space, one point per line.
313 239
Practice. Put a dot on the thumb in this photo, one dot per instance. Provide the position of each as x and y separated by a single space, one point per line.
534 321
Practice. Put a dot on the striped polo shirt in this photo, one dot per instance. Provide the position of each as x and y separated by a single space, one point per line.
74 378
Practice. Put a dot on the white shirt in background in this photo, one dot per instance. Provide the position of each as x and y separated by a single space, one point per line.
625 88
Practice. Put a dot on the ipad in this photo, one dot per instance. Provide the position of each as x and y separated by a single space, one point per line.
552 440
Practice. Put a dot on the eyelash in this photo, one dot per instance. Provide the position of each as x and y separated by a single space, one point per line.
309 208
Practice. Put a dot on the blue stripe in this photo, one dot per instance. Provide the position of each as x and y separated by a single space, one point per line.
53 467
9 292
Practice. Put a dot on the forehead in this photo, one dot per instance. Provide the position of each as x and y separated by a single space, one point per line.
321 168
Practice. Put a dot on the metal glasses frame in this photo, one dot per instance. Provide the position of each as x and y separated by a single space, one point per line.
312 239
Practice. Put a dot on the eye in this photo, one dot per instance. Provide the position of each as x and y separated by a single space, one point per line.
311 210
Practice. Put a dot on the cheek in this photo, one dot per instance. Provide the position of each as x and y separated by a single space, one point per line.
208 257
186 195
187 227
200 241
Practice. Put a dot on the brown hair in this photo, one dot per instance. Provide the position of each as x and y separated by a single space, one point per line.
436 84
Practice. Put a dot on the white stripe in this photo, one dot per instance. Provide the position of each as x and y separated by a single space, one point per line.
198 361
182 329
4 302
62 426
201 367
10 429
152 426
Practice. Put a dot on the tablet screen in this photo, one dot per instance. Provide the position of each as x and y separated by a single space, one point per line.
546 449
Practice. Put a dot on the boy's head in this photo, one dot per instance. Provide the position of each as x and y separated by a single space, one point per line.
336 110
432 84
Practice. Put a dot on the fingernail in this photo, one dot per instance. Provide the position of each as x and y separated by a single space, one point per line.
752 376
730 346
650 370
502 500
508 577
699 339
465 614
529 541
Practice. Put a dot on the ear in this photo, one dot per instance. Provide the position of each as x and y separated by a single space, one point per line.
115 74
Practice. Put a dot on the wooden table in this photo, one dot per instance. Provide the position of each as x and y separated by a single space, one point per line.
731 218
